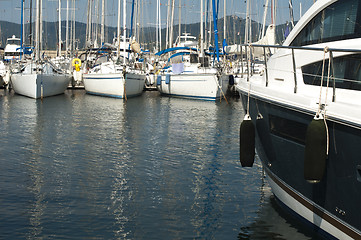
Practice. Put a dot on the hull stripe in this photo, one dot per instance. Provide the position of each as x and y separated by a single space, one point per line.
314 208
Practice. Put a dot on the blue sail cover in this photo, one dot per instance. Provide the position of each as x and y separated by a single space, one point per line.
224 45
174 49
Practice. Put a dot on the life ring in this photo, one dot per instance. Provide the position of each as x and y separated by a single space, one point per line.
76 63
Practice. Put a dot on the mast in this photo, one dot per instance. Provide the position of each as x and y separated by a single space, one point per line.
291 12
41 28
137 21
179 20
201 30
215 18
160 28
264 19
31 23
67 28
89 27
273 12
210 26
205 23
96 24
167 33
59 20
22 29
246 35
73 28
224 20
37 30
102 30
156 33
224 29
118 30
124 29
171 26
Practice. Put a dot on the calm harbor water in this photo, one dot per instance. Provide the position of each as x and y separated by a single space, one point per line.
77 166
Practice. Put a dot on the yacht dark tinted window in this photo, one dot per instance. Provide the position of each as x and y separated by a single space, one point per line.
339 21
288 129
346 70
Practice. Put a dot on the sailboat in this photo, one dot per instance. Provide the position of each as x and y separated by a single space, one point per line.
189 73
116 76
39 78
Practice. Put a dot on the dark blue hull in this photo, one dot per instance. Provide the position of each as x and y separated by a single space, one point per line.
280 144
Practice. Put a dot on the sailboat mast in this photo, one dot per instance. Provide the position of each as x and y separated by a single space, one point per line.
118 29
171 26
291 13
31 23
205 14
22 28
67 28
180 18
210 26
96 24
246 32
273 12
89 27
41 28
156 26
102 30
224 20
59 20
124 29
167 33
73 28
264 19
215 18
201 30
37 30
160 28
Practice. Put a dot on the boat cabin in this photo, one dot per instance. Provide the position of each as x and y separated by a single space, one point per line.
12 49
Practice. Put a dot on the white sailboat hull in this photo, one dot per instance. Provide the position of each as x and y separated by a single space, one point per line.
40 85
113 84
203 86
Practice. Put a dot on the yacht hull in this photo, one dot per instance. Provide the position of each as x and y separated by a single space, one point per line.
332 205
113 84
40 85
200 86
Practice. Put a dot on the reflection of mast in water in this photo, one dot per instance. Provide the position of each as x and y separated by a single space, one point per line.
119 195
5 110
103 140
197 121
33 127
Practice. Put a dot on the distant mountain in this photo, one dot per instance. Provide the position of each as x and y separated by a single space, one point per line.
235 32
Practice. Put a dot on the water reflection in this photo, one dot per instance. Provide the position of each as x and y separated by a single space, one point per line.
30 167
80 166
272 222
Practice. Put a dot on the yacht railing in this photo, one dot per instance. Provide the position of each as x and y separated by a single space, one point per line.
328 50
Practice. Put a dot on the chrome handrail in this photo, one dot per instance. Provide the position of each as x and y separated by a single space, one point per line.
292 48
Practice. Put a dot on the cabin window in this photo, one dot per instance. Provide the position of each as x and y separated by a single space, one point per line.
346 71
13 42
339 21
288 129
12 54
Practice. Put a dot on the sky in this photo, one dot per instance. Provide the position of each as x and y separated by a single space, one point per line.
10 10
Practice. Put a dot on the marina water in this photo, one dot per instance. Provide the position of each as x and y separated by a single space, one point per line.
77 166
